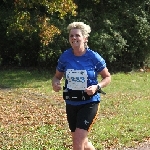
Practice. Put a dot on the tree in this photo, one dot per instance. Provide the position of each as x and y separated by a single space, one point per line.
120 30
30 23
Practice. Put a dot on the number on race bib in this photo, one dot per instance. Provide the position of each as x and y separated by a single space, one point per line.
77 79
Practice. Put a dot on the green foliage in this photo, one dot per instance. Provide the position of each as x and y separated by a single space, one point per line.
34 32
29 29
120 31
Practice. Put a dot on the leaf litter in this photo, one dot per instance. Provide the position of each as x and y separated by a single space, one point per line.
24 109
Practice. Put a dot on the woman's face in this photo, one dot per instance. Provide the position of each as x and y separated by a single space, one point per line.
76 38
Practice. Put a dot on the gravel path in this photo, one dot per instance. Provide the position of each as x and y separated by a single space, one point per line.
142 146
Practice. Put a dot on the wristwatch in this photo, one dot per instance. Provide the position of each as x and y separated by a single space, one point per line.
99 90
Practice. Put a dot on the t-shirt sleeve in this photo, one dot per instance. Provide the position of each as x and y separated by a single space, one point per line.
61 65
100 63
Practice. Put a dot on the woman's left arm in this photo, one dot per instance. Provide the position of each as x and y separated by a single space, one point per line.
106 77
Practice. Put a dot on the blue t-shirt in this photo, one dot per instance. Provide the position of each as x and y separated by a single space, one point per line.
90 62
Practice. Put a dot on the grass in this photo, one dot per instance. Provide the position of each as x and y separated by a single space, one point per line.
32 116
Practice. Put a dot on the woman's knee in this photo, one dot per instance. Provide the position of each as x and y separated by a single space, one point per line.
79 137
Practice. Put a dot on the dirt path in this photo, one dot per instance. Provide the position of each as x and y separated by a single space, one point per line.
142 146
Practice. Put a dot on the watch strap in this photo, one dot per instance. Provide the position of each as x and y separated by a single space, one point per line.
99 90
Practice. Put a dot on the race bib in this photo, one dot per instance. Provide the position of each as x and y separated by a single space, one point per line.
77 79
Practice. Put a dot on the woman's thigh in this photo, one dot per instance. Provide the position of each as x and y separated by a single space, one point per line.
82 116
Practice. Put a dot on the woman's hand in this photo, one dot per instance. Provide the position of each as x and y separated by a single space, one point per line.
56 86
56 81
91 89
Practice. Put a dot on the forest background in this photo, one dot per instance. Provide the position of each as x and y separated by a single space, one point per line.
33 32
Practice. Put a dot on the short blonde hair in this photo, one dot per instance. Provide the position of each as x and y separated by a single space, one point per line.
85 29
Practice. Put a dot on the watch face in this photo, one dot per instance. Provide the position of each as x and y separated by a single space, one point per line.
98 87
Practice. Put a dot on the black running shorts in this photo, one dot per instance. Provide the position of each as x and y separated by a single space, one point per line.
82 116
